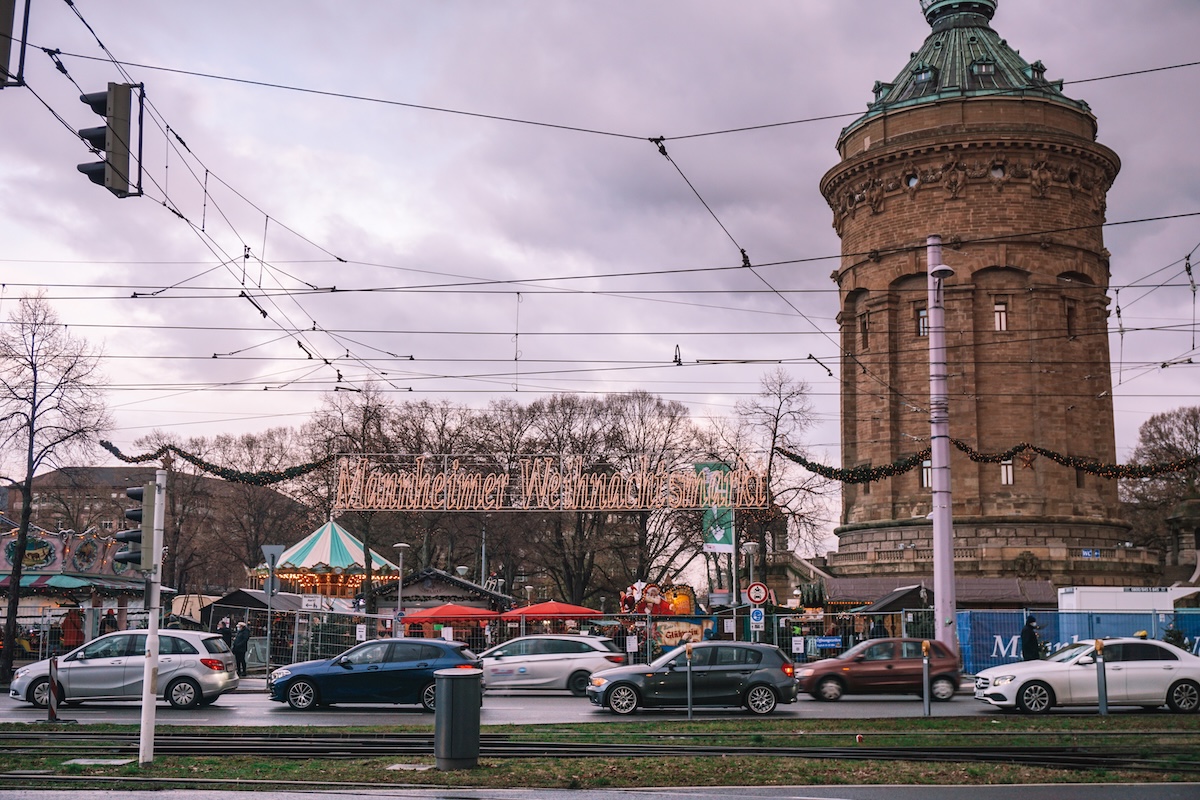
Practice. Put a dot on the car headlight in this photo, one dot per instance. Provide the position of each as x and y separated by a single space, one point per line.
598 681
22 672
282 672
1003 679
805 673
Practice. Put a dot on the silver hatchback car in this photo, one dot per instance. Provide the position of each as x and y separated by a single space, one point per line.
549 661
194 669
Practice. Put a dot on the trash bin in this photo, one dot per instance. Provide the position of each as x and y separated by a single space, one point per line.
456 718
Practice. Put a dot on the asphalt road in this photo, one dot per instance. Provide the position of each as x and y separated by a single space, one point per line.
251 707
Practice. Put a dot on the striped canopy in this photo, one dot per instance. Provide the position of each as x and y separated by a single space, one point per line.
330 549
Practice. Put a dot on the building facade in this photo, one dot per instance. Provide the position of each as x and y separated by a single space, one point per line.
974 144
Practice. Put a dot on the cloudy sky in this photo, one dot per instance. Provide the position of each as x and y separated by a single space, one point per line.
476 180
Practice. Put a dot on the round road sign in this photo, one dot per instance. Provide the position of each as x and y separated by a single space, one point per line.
756 592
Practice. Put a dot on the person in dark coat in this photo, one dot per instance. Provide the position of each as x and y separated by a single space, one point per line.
108 623
241 642
1031 648
225 631
879 630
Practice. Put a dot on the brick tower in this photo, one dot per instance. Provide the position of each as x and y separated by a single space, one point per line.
972 143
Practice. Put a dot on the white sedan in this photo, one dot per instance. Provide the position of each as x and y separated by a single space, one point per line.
1137 672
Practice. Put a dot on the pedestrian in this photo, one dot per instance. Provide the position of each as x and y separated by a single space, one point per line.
225 631
241 641
72 629
108 623
1031 649
879 630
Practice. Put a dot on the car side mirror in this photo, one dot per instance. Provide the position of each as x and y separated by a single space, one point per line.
1086 660
859 659
344 661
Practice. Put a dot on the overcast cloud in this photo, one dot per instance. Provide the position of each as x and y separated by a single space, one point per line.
516 230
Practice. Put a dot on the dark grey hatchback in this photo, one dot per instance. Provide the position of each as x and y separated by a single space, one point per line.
757 676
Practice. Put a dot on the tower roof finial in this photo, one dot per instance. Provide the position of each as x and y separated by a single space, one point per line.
936 9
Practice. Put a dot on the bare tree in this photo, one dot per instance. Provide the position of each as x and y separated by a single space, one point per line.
51 408
652 434
1173 436
777 417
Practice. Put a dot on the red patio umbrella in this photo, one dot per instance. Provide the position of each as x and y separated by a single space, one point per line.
551 609
448 612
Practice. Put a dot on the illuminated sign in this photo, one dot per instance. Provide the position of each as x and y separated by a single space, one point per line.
537 483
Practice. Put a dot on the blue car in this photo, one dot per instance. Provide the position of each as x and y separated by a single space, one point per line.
393 671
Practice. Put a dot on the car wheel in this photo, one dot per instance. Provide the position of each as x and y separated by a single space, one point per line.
1184 697
302 695
429 697
761 699
183 693
39 693
578 683
1035 697
942 689
623 699
829 689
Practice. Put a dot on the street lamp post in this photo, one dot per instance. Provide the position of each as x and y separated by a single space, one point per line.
400 548
939 449
750 549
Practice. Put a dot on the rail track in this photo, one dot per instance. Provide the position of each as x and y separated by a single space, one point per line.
1181 760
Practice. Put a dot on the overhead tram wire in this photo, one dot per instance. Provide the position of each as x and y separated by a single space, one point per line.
295 331
745 259
553 125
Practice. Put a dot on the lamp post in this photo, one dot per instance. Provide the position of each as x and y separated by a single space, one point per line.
750 549
939 445
400 547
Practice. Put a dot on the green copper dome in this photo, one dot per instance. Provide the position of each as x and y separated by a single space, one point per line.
963 57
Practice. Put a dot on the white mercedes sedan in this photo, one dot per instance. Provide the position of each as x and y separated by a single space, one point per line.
1137 672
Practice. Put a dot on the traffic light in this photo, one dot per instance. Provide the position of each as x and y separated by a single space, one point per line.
141 557
111 139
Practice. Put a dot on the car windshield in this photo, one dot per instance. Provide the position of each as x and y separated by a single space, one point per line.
857 650
1069 652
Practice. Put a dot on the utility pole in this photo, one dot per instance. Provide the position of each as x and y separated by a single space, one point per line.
944 600
153 595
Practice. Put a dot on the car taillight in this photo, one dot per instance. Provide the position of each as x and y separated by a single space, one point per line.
615 659
214 664
465 666
789 670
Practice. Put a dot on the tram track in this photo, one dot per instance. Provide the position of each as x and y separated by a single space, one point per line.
1181 760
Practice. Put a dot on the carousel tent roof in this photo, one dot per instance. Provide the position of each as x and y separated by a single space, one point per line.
551 609
330 548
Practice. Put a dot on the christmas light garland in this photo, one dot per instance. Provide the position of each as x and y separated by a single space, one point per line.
859 474
868 474
264 478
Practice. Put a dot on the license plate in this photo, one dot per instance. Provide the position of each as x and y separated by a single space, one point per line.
979 694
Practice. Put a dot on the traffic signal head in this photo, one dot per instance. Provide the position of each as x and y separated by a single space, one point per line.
141 557
111 139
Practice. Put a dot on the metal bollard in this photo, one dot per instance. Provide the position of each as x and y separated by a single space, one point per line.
1101 678
52 697
925 675
456 718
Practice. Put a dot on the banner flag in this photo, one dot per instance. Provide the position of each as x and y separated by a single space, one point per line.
717 521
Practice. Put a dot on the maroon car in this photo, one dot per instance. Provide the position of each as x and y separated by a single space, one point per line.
882 666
